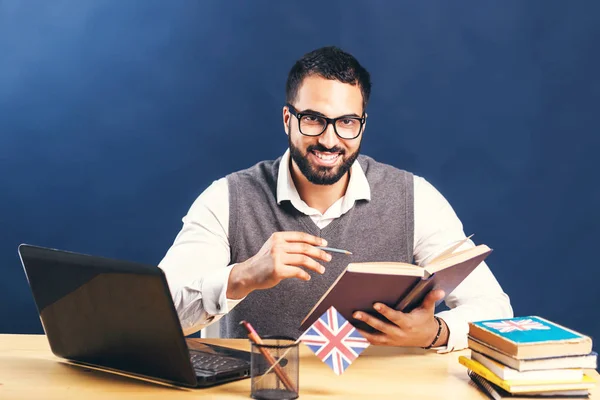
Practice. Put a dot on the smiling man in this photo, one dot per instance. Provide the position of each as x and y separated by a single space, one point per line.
248 245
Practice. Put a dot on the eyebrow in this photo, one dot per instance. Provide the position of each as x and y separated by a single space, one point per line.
309 111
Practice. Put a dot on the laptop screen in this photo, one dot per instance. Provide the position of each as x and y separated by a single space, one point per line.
108 313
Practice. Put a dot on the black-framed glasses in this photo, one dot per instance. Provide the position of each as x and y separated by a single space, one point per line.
311 124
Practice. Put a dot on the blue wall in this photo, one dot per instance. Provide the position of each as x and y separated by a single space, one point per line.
115 115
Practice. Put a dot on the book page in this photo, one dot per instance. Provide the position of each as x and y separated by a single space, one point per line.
447 252
389 268
457 258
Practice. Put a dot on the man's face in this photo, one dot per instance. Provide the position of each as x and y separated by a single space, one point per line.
324 159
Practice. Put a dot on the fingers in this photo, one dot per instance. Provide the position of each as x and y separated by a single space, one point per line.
376 323
299 237
431 298
374 338
288 271
300 260
293 252
397 317
307 249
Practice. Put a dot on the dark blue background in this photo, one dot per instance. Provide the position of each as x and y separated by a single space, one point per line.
115 115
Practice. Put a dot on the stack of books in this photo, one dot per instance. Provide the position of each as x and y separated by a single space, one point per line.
529 357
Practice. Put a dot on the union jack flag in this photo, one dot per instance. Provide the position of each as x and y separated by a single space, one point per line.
334 340
516 325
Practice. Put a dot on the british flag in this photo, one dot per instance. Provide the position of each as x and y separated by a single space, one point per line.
334 340
516 325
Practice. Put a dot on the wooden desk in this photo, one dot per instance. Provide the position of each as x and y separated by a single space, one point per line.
28 370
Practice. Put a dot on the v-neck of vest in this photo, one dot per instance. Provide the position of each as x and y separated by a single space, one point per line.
316 231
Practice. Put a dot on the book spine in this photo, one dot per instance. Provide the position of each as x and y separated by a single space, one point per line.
415 295
484 373
494 354
494 340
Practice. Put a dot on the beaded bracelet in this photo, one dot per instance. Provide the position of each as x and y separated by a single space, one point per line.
437 336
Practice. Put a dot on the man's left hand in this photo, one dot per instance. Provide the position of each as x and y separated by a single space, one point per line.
416 328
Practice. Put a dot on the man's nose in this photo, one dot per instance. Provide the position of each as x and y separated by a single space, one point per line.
328 138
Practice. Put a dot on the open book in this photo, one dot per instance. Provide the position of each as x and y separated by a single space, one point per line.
398 285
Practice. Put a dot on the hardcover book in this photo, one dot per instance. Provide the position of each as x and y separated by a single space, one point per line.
401 286
510 374
530 337
497 393
586 383
589 361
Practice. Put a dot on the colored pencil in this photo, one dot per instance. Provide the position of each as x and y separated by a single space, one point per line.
253 335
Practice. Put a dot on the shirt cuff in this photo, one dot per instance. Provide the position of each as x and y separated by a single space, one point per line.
458 330
214 292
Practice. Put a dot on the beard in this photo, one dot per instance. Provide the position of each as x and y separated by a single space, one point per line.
321 175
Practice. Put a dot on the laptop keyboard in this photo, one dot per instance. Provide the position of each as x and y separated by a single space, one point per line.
215 363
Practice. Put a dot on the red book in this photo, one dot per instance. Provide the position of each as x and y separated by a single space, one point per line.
401 286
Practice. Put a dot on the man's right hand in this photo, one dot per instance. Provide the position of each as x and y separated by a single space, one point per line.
284 255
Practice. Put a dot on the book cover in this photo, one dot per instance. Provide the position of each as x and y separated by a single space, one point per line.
589 361
398 285
530 337
510 374
497 393
586 383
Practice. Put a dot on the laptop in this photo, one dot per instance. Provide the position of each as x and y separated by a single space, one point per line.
119 315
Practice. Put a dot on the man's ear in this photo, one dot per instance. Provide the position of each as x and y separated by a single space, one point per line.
286 120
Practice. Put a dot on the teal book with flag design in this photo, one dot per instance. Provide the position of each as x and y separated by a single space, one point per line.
530 337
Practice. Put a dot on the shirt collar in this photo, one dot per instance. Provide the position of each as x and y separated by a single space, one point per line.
358 186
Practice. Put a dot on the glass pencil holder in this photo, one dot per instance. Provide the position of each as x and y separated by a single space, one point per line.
274 368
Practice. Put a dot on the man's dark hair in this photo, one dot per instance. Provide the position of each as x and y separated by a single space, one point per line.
329 63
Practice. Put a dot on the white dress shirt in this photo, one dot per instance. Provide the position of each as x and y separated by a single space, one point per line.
197 265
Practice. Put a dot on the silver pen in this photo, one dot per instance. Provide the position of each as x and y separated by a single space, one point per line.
334 250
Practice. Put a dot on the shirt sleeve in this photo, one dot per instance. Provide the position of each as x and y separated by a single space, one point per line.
197 263
479 296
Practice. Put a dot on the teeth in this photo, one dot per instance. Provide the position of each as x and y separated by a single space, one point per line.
328 157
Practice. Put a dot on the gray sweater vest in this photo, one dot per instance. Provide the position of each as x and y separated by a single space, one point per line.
381 229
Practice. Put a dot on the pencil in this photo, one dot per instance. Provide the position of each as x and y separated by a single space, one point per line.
334 250
280 372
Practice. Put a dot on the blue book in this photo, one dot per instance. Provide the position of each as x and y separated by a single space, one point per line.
530 337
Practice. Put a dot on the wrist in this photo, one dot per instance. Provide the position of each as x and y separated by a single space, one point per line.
437 331
444 335
238 285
